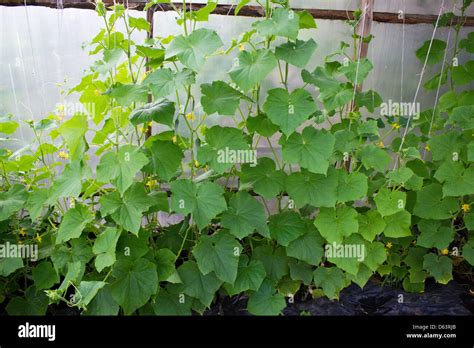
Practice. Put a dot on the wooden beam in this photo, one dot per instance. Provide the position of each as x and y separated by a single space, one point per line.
246 11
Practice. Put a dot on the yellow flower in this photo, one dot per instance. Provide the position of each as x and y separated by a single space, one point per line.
151 183
38 238
445 251
150 123
97 93
466 208
60 108
381 144
389 245
174 138
427 147
191 116
63 155
395 125
196 163
22 232
241 47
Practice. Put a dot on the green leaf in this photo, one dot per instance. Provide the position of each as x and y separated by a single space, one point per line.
250 276
264 178
86 292
204 201
73 131
44 275
347 255
371 224
165 159
369 100
221 98
433 235
335 224
297 53
120 168
312 149
286 226
135 282
251 68
127 210
400 176
35 303
163 82
7 126
218 253
36 201
275 261
306 20
430 203
139 23
390 202
74 222
374 157
9 265
462 117
161 111
12 201
439 267
357 71
222 147
457 180
103 304
193 49
165 262
169 303
104 248
376 254
284 22
444 145
315 189
69 183
468 43
289 110
468 252
262 125
397 225
331 280
245 215
126 95
431 52
197 285
266 301
308 247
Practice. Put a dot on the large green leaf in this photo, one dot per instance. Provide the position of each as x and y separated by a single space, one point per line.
221 98
374 157
457 180
251 68
44 275
197 285
163 82
312 149
439 267
431 52
218 253
275 261
331 280
127 210
263 178
165 159
462 117
69 183
224 147
74 222
250 276
104 248
433 235
286 226
12 201
371 224
161 111
204 201
357 71
289 110
390 202
73 131
335 224
284 22
193 49
308 247
120 167
397 225
135 282
430 203
245 215
297 53
266 301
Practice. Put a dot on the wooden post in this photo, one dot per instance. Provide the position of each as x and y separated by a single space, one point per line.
149 17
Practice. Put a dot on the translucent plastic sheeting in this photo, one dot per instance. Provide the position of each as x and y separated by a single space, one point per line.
418 6
40 47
